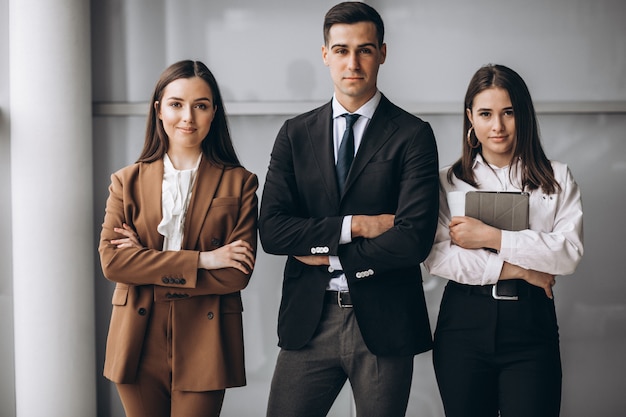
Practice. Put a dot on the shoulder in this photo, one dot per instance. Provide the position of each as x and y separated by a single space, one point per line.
455 184
133 171
325 109
562 172
239 174
391 110
128 172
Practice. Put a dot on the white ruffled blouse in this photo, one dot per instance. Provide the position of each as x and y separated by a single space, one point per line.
175 198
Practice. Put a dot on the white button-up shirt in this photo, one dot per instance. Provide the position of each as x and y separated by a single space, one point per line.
553 243
339 125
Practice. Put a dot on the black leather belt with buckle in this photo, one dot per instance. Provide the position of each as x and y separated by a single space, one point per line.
506 290
340 298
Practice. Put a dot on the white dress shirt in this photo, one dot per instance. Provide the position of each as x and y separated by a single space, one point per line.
366 112
175 198
552 244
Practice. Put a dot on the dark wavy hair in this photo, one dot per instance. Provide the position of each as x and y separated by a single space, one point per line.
217 146
350 12
535 166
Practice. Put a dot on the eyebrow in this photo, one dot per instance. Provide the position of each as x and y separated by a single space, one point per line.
198 99
341 45
488 109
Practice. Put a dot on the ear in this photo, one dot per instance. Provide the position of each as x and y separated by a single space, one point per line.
325 55
383 53
156 109
468 112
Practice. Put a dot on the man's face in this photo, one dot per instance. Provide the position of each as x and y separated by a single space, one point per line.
353 56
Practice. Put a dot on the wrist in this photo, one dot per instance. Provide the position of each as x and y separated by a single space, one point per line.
355 226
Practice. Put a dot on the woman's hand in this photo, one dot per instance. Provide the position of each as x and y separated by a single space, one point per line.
536 278
237 255
130 241
541 280
471 233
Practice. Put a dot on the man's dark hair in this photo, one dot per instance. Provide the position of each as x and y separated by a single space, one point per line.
350 12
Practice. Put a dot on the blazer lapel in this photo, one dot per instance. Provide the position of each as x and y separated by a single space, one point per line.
151 178
319 129
207 181
378 132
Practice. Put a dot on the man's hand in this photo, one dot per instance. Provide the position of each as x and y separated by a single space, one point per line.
314 260
370 227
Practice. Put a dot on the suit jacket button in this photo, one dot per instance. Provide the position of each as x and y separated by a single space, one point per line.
210 315
165 280
331 269
313 251
142 311
183 281
216 242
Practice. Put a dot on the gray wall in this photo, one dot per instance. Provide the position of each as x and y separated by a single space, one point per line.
266 57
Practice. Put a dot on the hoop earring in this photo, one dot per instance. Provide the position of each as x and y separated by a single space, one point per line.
469 138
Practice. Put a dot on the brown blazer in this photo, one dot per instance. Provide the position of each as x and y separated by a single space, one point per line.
206 305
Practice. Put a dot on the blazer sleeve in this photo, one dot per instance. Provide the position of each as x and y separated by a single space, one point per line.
229 280
287 225
147 265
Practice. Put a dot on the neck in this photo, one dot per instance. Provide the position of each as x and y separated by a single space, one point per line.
352 104
183 160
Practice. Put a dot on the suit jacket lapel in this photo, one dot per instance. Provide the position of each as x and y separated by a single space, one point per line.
207 181
151 179
320 132
378 132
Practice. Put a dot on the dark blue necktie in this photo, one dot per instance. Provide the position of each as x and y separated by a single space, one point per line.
346 151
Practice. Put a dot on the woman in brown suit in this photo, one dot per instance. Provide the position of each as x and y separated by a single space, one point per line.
179 239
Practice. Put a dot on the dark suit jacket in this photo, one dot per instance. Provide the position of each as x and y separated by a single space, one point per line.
206 308
395 171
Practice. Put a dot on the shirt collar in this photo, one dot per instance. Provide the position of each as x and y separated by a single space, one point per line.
479 160
366 110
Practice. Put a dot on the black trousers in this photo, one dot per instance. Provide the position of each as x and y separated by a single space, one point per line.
497 357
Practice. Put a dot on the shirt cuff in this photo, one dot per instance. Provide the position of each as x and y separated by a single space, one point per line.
335 263
346 231
492 271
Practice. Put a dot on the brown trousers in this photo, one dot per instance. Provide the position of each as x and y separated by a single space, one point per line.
151 394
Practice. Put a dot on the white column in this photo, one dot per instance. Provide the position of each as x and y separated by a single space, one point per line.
51 181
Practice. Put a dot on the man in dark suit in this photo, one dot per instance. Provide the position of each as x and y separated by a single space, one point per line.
355 233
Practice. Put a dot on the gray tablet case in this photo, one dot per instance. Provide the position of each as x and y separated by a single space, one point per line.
504 210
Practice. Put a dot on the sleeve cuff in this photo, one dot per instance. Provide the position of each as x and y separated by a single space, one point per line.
346 231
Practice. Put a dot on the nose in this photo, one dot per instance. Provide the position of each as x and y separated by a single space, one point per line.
353 61
188 114
497 123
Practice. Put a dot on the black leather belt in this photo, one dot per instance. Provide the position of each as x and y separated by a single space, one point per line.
507 290
340 298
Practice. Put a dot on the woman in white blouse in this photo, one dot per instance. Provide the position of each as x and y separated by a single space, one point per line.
496 351
179 239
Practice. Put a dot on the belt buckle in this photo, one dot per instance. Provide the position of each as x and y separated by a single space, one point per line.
495 295
339 303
